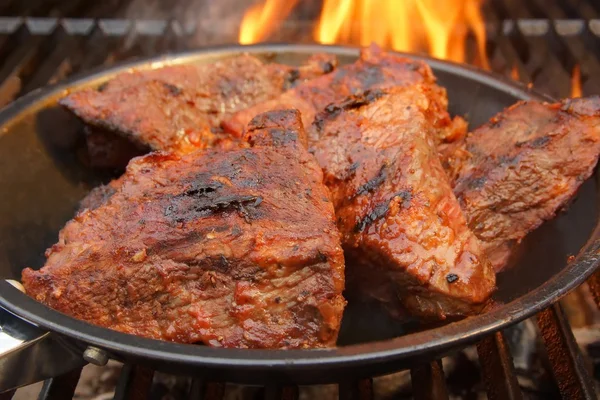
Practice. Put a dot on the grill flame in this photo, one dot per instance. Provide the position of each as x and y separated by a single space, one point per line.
576 82
440 28
264 18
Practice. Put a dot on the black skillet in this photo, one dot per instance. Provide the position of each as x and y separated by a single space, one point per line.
42 179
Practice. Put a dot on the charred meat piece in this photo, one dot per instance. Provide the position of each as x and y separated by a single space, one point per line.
522 167
232 249
177 108
375 69
405 237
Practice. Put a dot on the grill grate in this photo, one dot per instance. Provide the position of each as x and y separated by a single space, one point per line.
539 41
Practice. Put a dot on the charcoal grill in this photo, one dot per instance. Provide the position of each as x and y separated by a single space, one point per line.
44 42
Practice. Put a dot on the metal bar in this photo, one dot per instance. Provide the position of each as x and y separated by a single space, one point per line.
277 392
594 284
565 358
7 395
214 391
356 390
134 383
61 387
498 369
429 382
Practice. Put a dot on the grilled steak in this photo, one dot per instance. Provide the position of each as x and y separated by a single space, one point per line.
178 108
375 69
233 249
519 169
403 231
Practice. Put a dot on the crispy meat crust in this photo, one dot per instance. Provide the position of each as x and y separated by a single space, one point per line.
402 228
214 247
375 69
177 108
524 165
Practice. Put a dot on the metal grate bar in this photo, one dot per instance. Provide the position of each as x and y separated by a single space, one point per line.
498 369
275 392
134 383
356 390
7 395
195 391
564 355
429 382
214 391
62 387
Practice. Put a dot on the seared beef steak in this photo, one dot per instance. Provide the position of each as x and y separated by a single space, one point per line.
519 169
375 69
231 248
405 235
178 107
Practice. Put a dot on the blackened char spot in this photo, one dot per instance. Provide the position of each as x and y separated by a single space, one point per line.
451 278
203 189
378 212
535 143
221 203
477 183
373 183
540 142
327 67
292 78
406 197
331 111
174 90
103 86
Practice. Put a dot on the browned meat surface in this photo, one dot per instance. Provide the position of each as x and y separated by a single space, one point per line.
375 69
233 249
177 108
404 234
522 167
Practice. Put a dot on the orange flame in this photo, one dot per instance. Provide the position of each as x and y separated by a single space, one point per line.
408 25
576 82
264 18
439 27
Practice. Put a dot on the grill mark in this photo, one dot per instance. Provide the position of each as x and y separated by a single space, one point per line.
379 211
373 183
332 110
535 143
173 90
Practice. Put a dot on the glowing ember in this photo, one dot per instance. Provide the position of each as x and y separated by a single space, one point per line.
440 28
576 82
264 18
514 73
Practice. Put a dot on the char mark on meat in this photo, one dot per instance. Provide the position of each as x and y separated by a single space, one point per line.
222 248
402 227
334 92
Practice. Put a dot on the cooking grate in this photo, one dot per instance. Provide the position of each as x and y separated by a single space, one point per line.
540 42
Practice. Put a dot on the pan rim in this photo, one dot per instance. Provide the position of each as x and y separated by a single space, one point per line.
364 354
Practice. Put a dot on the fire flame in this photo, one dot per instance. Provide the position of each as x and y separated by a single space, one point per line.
576 82
264 18
439 27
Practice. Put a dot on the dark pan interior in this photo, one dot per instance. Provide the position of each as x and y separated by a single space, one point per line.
43 176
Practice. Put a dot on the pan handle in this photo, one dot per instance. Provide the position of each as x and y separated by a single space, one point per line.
28 354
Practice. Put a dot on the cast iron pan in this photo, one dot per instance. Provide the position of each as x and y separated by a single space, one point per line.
42 180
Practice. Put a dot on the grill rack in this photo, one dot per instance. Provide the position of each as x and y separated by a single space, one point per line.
542 41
